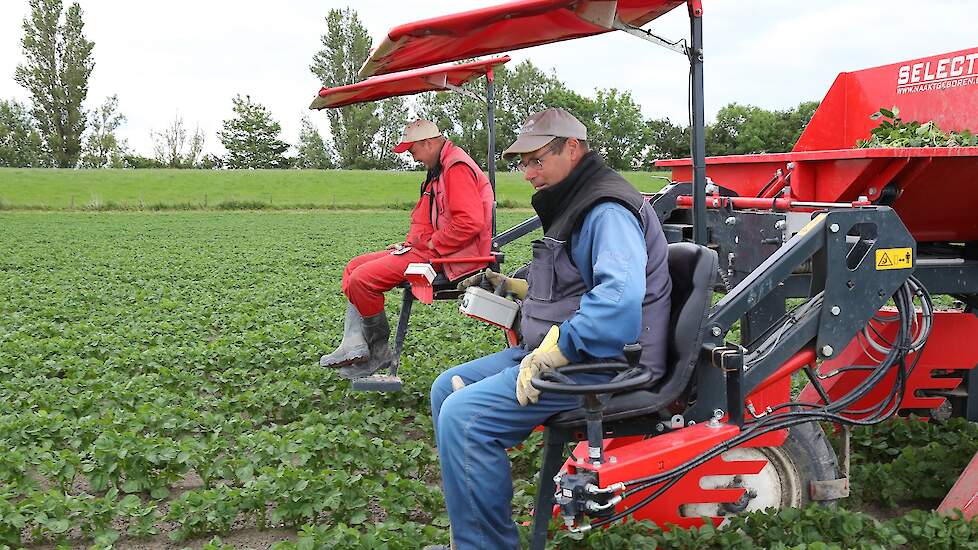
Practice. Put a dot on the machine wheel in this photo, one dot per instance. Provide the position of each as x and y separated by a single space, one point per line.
805 456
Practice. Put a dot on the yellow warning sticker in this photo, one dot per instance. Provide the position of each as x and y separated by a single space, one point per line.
894 258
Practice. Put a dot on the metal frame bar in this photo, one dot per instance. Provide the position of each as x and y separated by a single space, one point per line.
698 125
839 276
519 230
407 300
971 405
463 91
697 144
772 271
491 130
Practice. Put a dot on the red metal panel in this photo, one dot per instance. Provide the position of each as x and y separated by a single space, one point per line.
843 175
747 178
964 494
825 167
636 457
421 288
943 352
645 457
406 83
943 204
794 363
942 88
506 27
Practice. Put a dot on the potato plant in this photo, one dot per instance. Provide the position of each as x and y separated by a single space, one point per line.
893 131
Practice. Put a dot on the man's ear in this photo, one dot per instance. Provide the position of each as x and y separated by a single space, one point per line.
575 149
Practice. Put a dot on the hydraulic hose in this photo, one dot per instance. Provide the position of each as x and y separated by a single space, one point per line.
906 342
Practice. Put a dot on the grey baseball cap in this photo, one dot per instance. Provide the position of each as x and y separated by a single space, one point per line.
541 128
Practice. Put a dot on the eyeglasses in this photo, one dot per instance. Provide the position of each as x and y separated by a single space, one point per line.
536 163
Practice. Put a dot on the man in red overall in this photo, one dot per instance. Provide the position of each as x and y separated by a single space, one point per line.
453 218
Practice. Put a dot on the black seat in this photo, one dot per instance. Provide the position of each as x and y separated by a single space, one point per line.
692 268
441 283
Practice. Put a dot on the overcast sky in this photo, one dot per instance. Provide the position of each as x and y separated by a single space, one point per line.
191 57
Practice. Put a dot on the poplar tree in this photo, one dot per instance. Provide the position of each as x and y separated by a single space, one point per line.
55 72
362 133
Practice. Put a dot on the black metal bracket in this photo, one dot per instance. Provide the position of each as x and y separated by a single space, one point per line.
849 283
519 230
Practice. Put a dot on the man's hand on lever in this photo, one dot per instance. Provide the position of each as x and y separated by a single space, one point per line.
544 358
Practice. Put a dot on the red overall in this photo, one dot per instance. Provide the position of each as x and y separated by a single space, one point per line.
453 217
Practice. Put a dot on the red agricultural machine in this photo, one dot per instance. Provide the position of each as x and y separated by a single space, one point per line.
827 257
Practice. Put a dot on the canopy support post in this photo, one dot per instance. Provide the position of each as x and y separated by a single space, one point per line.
697 132
491 131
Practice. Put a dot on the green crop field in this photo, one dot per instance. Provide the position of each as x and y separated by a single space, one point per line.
210 189
159 387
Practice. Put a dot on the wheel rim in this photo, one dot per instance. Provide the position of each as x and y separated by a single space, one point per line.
779 484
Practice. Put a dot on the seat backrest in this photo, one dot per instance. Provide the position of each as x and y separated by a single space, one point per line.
692 268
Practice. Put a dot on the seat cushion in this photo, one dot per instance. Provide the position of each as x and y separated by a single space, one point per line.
620 407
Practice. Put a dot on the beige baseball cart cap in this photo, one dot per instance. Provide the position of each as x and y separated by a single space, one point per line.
541 128
416 131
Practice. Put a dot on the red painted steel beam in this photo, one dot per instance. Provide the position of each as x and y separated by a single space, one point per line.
794 363
686 201
717 201
964 494
465 260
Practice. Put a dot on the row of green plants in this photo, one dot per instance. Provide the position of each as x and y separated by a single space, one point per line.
299 471
814 527
159 378
811 528
910 461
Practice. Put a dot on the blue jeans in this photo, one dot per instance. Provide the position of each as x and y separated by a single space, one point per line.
473 428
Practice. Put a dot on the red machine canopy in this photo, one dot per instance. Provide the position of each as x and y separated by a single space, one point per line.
509 26
405 83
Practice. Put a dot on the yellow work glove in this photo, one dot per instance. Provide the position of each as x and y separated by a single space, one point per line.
518 287
546 357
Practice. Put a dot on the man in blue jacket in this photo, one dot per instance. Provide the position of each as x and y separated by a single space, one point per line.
599 275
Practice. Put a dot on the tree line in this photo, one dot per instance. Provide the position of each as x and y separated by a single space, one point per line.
55 130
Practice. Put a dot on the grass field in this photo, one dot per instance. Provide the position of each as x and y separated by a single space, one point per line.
159 385
56 189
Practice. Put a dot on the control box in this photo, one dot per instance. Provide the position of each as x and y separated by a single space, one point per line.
486 306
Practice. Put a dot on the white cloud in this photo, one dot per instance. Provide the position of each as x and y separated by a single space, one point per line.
192 57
